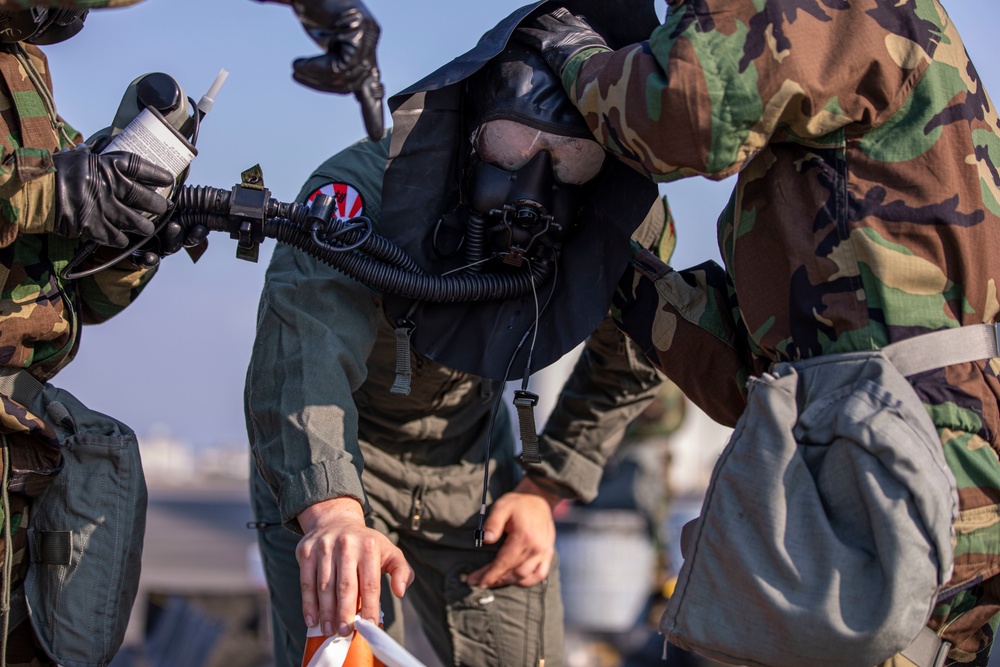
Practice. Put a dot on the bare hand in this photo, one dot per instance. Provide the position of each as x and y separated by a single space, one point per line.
525 516
342 560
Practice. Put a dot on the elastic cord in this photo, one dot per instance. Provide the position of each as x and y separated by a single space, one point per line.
88 249
43 91
493 415
8 550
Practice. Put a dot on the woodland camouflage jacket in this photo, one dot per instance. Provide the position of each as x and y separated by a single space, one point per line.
40 312
866 209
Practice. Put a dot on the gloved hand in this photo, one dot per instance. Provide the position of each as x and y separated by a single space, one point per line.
169 240
348 33
99 197
559 36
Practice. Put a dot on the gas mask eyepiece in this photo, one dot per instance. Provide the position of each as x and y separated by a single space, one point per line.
510 145
530 154
526 185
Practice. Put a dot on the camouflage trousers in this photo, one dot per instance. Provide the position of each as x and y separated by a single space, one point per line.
23 649
969 612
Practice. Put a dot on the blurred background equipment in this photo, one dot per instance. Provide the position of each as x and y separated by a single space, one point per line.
618 554
201 599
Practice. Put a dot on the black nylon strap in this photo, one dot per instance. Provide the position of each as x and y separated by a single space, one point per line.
404 366
524 403
19 385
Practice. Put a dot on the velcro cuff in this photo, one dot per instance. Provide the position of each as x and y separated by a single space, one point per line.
320 481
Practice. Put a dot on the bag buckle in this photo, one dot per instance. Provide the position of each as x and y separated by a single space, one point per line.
927 649
942 654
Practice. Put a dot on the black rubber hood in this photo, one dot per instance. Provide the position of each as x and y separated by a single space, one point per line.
431 143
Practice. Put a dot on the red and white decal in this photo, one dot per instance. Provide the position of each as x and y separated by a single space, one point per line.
349 203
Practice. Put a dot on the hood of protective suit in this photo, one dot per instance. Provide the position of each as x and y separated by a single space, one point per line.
97 4
431 144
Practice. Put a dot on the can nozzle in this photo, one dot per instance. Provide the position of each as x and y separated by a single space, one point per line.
208 99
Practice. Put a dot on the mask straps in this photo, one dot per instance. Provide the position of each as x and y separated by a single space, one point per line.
524 400
404 362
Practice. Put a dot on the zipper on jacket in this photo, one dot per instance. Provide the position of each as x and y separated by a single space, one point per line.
418 507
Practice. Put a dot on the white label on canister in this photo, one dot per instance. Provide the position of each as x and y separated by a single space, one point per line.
149 138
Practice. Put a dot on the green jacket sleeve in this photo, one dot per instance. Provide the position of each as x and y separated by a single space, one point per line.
315 331
28 139
610 385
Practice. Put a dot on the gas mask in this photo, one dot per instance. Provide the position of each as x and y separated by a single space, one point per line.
525 187
490 148
495 178
528 155
40 25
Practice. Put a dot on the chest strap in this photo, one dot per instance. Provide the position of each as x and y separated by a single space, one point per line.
943 348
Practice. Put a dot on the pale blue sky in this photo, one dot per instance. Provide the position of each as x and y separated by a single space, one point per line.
177 357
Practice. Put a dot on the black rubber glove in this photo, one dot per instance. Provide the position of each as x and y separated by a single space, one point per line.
99 197
559 36
169 240
348 33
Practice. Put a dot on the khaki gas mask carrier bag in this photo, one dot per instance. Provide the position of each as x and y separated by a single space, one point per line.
827 528
85 532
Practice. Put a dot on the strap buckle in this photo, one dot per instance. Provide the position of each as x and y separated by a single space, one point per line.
927 649
942 654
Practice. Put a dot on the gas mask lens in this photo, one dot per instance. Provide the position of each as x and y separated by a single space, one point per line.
510 145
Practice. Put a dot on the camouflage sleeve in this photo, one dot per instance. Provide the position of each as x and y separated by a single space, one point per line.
104 294
27 176
108 292
26 206
719 80
688 319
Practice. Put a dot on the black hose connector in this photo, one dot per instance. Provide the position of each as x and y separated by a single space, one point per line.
352 247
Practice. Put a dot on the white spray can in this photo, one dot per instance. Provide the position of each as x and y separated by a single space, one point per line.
151 136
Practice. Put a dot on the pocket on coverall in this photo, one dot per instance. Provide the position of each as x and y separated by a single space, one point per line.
85 538
497 626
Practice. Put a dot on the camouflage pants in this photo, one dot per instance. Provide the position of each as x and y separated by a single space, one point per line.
23 649
970 612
